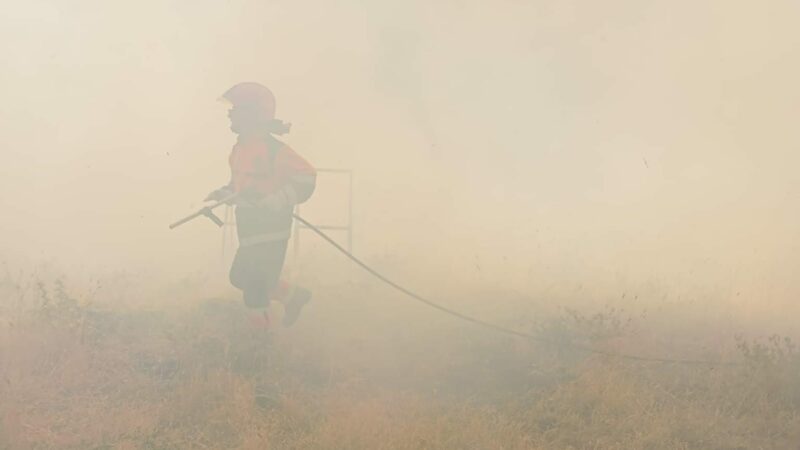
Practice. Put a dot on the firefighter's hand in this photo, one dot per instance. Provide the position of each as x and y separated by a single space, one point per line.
219 194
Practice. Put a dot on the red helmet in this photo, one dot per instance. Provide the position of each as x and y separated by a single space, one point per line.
252 95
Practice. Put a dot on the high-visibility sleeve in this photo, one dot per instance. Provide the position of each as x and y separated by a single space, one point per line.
298 176
273 179
255 168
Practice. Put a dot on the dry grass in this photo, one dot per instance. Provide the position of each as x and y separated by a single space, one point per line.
352 375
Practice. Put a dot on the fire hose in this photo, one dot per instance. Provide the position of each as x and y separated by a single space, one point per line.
209 213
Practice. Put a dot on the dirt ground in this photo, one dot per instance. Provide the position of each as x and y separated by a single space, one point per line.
365 370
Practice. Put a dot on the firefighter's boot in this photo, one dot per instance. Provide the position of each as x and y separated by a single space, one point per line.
294 305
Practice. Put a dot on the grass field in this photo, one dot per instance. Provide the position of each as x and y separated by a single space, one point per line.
364 369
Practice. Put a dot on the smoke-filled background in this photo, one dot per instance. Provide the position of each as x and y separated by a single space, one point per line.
521 143
602 141
509 158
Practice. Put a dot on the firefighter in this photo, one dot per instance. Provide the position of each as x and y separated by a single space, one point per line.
270 179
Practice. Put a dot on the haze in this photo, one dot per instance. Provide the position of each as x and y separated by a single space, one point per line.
510 143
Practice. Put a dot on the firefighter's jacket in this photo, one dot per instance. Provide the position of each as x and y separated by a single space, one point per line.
267 167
